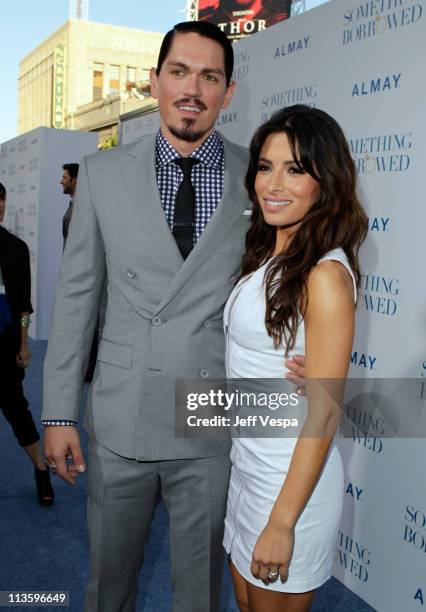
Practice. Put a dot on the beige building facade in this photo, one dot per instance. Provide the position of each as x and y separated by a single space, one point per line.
103 116
84 63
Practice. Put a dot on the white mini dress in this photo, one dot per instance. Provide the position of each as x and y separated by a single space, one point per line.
260 465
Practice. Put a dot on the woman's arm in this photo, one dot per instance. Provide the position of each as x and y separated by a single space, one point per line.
24 355
329 330
23 301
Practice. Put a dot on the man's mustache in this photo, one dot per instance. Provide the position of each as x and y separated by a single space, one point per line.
193 101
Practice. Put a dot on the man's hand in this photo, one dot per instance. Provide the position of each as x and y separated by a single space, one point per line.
62 444
296 365
296 374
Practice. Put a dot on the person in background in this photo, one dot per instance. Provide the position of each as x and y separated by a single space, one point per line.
15 310
69 186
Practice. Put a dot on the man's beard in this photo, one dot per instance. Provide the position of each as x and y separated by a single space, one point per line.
187 133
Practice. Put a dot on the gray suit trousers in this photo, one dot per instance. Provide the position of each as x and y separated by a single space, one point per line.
121 500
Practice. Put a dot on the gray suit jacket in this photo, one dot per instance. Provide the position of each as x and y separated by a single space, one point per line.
163 316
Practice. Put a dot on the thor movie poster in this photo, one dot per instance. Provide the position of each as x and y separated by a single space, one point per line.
239 18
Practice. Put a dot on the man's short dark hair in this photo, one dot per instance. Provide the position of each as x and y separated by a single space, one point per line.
72 170
2 192
203 28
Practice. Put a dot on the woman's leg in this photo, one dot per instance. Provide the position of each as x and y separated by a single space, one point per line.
45 491
251 598
34 452
240 588
14 406
264 600
13 402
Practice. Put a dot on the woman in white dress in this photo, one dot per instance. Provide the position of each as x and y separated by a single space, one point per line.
297 295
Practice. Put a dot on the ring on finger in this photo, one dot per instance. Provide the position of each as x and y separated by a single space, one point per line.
51 466
273 575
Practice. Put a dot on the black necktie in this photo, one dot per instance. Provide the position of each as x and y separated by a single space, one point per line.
183 221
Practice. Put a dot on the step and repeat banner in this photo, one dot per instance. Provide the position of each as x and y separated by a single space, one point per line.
134 126
363 62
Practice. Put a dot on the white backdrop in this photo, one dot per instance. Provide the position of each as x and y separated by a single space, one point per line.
134 126
363 62
30 169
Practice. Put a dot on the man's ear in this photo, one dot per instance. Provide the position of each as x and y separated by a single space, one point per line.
153 78
229 93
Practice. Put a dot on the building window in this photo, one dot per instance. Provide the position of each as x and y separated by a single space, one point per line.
98 81
145 75
130 77
114 80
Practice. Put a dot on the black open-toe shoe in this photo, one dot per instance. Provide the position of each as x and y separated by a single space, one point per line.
45 492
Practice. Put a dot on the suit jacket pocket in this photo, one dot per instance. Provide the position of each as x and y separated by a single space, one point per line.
115 354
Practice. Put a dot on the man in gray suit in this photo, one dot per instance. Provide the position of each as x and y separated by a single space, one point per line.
163 322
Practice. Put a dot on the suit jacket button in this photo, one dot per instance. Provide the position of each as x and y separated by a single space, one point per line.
207 324
131 274
204 373
156 321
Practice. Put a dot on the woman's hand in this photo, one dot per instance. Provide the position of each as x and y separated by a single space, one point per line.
23 357
272 554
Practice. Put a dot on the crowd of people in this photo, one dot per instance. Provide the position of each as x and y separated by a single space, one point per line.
218 262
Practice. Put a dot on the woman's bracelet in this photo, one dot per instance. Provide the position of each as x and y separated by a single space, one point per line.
25 320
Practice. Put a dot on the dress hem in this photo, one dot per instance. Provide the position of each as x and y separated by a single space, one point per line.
295 585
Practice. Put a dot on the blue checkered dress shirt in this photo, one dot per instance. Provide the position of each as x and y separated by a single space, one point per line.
207 178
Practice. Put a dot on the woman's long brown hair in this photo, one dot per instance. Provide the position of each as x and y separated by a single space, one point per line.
337 219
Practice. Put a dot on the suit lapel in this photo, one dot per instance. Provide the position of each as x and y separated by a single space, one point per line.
138 167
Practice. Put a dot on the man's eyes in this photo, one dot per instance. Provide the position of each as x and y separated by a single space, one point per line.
180 72
210 77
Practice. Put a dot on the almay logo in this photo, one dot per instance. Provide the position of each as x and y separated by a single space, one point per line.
385 83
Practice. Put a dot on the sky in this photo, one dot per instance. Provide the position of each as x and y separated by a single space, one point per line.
26 23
